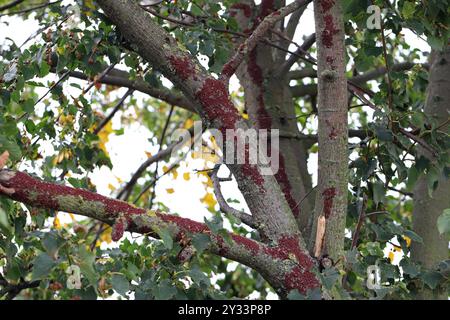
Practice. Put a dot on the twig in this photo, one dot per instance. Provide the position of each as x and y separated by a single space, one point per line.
11 4
114 111
405 193
12 290
102 75
258 34
30 9
362 215
224 206
125 192
420 141
161 142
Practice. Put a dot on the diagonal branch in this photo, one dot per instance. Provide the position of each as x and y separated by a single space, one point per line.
11 5
283 268
44 5
114 111
301 51
225 207
244 49
12 290
163 154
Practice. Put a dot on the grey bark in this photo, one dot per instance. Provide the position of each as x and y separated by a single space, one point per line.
331 196
427 209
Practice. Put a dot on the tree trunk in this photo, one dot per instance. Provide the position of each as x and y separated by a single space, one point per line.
427 209
331 196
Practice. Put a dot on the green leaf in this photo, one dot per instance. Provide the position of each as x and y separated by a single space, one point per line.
378 192
87 265
409 267
413 236
443 222
166 237
14 151
5 227
42 265
432 279
52 243
384 134
408 9
120 284
165 290
200 242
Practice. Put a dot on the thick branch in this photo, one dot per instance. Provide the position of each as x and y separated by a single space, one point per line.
211 99
120 78
286 266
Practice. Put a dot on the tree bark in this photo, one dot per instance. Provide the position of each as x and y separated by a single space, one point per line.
331 196
427 209
286 266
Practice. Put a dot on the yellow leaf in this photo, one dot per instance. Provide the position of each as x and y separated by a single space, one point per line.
186 176
209 200
148 154
104 137
56 223
106 235
391 256
408 241
165 169
174 173
188 124
72 216
245 115
170 190
111 187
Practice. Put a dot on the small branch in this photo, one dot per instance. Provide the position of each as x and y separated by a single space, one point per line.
114 111
12 290
138 173
31 9
161 141
225 207
405 193
120 78
361 217
419 140
11 5
302 50
244 49
101 76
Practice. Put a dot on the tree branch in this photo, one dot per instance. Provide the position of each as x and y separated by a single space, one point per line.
276 264
113 112
225 207
301 51
120 78
212 101
12 290
311 89
11 5
244 49
44 5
